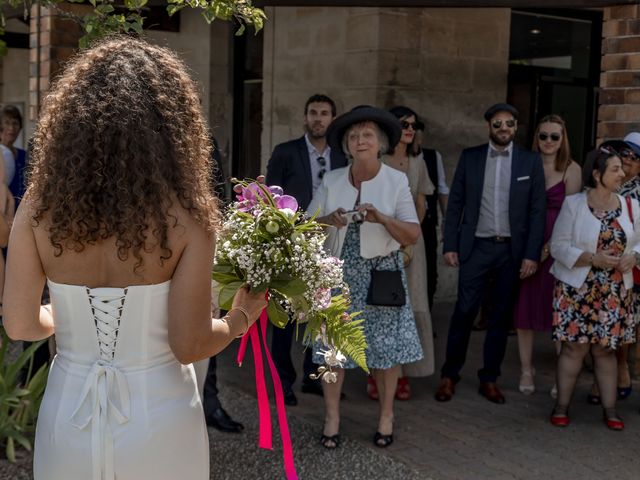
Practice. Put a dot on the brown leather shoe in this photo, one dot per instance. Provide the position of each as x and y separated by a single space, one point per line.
446 390
491 392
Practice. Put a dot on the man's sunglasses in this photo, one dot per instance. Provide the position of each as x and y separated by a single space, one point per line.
555 137
630 154
496 124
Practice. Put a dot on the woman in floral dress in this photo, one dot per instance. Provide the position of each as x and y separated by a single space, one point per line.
370 209
594 247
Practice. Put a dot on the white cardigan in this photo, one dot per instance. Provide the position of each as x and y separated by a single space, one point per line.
388 191
577 231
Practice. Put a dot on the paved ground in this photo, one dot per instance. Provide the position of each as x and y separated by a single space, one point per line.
470 438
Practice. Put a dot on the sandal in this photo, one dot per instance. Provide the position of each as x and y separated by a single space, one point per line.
559 416
330 442
612 420
624 392
526 384
372 388
403 390
382 441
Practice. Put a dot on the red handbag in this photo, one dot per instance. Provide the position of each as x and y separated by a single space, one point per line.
636 270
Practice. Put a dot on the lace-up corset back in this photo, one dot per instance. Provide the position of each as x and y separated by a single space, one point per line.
107 312
129 327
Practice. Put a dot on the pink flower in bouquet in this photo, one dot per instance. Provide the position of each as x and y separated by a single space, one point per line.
322 298
286 202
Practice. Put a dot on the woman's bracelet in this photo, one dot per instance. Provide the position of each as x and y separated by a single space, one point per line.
246 317
591 259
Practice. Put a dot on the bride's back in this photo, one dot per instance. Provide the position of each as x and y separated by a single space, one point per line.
98 264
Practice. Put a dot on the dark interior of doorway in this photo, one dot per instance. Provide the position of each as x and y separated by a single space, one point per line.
554 67
247 104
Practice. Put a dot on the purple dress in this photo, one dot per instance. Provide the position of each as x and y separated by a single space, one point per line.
533 309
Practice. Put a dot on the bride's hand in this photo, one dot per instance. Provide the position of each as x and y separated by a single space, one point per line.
252 302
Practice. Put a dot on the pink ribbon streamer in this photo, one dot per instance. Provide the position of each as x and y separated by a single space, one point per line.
265 439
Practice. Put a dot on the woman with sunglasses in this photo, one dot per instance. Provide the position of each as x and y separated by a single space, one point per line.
406 157
562 177
595 248
629 152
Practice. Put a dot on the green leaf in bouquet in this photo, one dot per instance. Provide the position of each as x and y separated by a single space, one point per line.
277 314
227 293
224 278
289 288
288 285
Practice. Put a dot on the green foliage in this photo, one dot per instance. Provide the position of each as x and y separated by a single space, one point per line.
345 332
19 404
107 16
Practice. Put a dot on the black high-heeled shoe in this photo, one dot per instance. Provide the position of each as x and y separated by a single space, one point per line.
330 442
382 441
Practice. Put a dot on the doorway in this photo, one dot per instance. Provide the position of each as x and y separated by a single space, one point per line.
554 67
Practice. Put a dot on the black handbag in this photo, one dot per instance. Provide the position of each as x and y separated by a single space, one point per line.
386 288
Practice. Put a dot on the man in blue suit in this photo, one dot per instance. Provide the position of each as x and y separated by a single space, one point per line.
298 167
494 226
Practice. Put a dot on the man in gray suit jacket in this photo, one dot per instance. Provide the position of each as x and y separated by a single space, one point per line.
298 167
494 226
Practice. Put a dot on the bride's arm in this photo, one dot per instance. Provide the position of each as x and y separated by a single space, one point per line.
23 317
193 334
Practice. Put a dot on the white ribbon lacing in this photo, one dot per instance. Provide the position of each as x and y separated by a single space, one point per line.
105 391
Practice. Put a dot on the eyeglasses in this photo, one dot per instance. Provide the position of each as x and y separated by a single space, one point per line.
496 124
555 137
630 154
406 125
323 164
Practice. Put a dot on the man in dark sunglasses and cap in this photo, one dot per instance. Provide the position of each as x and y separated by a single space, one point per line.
494 226
298 167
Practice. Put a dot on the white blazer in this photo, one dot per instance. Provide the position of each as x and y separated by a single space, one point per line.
577 231
388 191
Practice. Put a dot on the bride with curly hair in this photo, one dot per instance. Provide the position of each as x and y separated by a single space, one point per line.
120 222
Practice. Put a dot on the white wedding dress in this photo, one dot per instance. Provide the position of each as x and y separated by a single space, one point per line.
118 405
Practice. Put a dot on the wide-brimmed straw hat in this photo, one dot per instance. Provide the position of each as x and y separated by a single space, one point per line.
387 122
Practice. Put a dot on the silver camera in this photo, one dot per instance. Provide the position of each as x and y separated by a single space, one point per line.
354 216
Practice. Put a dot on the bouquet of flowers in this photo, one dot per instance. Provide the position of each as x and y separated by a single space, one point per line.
267 243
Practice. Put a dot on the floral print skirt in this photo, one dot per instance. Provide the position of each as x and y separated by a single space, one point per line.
391 333
600 311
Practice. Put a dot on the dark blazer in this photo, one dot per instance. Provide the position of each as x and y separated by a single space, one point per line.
289 168
527 203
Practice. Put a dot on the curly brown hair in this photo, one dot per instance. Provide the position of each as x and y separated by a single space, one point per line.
120 138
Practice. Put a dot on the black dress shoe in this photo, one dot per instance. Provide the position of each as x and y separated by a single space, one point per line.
220 420
290 397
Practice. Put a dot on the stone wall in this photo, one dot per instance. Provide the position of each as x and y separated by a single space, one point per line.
447 64
619 111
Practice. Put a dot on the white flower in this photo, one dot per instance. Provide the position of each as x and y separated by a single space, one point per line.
333 357
330 377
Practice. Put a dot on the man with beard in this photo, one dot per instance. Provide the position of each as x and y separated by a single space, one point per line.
298 167
494 225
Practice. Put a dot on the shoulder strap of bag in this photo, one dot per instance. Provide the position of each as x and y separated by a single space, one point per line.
629 209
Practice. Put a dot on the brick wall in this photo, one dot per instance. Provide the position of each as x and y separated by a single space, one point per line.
619 110
53 39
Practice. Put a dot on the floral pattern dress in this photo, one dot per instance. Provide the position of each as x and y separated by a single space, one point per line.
601 310
391 334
